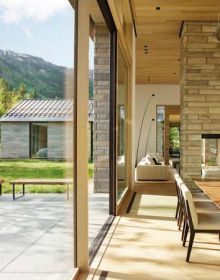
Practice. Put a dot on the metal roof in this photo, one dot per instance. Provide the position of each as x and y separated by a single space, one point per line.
44 110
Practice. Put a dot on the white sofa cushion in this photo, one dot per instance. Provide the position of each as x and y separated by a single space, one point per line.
149 160
158 157
152 172
121 168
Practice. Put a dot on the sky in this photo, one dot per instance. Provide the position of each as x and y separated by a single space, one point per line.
43 28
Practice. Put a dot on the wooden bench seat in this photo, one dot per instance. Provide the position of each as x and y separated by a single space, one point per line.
40 181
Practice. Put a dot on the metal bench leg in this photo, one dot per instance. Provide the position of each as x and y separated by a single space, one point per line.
13 190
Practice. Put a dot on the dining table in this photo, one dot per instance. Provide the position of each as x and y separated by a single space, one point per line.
211 187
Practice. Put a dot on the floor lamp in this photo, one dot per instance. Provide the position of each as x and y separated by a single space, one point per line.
142 122
148 136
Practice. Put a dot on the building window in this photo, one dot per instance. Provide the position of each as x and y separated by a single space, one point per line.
38 143
160 129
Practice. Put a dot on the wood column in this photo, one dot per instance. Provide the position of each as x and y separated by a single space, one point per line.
81 137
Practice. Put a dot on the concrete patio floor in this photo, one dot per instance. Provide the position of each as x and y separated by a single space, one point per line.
36 235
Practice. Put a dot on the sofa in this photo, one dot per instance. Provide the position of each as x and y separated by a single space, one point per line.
152 168
121 174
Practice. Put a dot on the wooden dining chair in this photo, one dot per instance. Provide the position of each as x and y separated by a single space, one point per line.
208 222
202 201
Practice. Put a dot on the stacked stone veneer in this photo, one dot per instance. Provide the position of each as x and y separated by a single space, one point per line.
14 140
101 109
200 92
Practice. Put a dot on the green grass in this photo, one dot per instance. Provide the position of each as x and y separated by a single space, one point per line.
28 169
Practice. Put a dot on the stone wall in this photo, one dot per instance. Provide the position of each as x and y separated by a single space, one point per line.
101 109
14 140
56 140
200 92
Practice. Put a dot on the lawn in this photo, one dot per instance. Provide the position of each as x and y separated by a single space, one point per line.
15 169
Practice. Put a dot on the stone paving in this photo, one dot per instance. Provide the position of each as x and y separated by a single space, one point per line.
36 235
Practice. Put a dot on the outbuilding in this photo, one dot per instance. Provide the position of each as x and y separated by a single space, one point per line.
41 129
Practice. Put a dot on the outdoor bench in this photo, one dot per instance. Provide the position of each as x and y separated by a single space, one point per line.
39 181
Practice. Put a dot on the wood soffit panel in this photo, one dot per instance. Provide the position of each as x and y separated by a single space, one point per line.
95 12
158 25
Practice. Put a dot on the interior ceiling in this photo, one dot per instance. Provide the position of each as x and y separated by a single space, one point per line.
95 12
158 29
174 119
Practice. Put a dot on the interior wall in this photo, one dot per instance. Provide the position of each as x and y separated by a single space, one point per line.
164 95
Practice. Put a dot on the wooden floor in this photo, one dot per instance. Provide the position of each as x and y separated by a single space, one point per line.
145 244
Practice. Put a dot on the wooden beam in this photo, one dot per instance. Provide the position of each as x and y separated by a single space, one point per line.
81 137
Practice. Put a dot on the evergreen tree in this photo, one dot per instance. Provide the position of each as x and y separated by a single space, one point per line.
22 91
9 97
5 96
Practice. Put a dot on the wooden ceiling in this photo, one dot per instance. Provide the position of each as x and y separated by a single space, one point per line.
95 12
158 24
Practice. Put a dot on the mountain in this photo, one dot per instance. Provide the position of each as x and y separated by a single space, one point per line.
49 80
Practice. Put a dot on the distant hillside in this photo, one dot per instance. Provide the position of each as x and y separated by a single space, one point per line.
49 80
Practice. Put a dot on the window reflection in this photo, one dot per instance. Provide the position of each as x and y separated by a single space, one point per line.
122 88
160 129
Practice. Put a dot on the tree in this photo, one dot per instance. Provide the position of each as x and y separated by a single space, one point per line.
22 91
6 96
9 97
174 137
33 94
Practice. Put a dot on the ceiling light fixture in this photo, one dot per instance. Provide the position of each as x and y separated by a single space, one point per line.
157 8
217 34
145 49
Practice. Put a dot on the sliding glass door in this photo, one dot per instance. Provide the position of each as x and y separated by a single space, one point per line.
37 70
99 145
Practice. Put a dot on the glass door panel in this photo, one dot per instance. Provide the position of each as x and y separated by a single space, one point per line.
122 93
98 126
38 50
